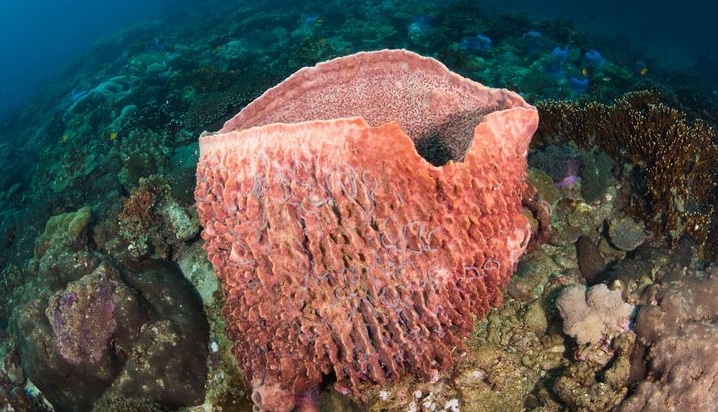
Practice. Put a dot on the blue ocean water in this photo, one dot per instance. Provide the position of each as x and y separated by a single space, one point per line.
101 105
44 38
679 37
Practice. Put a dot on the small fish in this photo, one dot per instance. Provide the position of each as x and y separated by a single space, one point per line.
644 71
64 138
584 71
113 136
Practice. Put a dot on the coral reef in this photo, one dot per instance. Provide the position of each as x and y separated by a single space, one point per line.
677 334
141 156
139 220
673 160
97 108
85 327
554 160
118 132
381 261
596 174
566 165
64 229
152 221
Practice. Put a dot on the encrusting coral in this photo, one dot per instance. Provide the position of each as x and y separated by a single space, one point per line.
674 365
82 317
341 250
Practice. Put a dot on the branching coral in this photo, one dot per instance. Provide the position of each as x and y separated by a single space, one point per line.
674 161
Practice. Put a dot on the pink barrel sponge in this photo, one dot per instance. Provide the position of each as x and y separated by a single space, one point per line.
341 250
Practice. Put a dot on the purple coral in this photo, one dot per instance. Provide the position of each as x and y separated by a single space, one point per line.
571 176
82 317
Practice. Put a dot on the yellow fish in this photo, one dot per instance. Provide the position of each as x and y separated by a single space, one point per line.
644 71
64 138
113 136
584 71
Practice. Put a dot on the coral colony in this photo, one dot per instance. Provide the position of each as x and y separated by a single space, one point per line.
340 249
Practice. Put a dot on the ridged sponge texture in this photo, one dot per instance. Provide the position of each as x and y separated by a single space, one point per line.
341 250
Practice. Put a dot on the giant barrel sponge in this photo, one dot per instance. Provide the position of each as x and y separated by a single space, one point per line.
361 215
